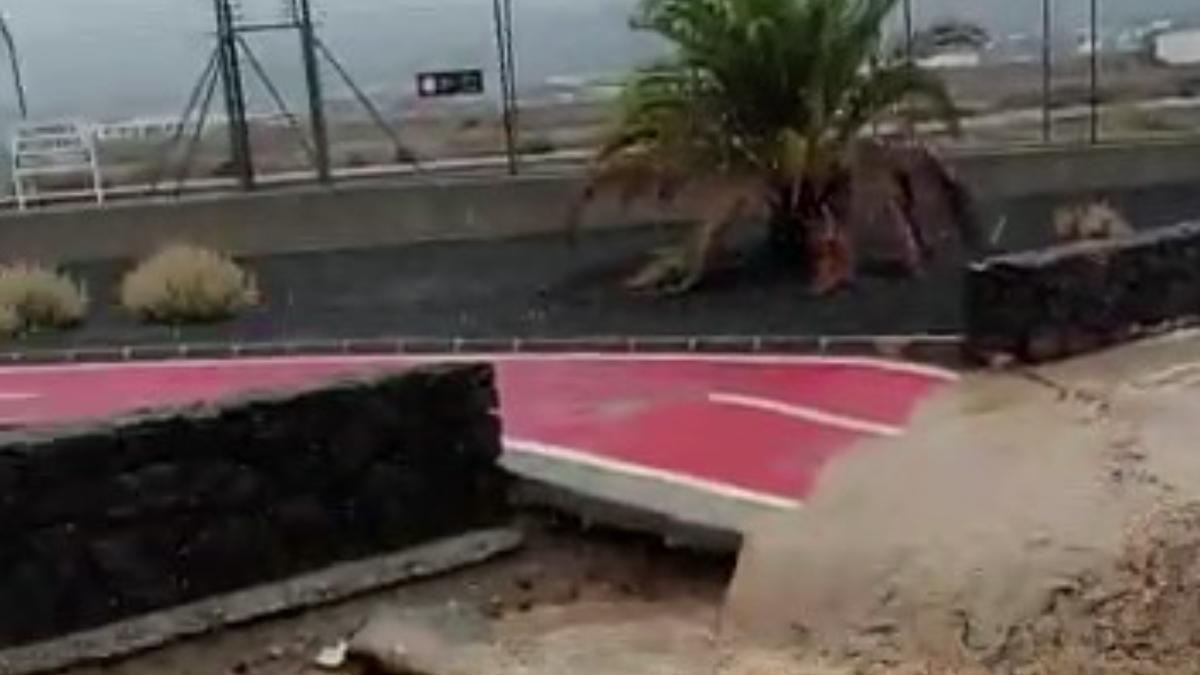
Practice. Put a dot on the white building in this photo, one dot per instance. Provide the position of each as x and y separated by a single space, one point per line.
954 58
1177 47
138 129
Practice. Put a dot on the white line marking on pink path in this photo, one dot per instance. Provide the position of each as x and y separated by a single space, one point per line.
17 396
637 471
814 415
917 369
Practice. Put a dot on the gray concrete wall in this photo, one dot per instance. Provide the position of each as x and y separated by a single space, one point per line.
295 219
1037 171
412 210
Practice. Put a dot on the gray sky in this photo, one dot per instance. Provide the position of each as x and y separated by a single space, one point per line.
112 58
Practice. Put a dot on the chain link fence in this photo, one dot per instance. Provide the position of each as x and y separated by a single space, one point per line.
1064 71
1025 72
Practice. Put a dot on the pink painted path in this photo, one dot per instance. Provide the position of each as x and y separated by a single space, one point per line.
759 427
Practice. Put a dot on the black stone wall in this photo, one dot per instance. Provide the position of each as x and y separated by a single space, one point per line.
1070 299
104 523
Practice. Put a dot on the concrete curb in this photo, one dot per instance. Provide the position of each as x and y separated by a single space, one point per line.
596 510
316 588
943 350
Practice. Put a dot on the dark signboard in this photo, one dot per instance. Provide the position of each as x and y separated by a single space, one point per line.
450 83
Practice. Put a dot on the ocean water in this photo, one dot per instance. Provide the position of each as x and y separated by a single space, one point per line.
111 59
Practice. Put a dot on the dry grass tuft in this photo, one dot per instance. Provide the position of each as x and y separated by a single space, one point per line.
183 283
34 298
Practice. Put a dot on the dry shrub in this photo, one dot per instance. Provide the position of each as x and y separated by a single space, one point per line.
188 284
1091 221
9 323
37 298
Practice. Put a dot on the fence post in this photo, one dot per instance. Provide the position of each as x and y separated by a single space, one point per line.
1094 83
1047 55
908 30
316 104
235 95
502 18
14 61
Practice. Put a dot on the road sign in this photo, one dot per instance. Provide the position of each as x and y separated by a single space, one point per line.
450 83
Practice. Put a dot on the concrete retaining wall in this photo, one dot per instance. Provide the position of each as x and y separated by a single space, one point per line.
404 211
1070 299
101 524
307 218
1035 171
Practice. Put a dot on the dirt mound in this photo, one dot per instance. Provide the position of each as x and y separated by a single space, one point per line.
1025 526
1143 620
1147 618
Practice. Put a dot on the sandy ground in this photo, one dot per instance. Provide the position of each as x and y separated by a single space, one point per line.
1035 522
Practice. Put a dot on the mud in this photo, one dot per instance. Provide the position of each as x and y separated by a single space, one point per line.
1043 521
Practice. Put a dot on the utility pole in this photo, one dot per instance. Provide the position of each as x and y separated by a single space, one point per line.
316 107
1047 55
14 61
235 95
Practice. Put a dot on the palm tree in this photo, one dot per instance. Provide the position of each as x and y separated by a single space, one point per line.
757 114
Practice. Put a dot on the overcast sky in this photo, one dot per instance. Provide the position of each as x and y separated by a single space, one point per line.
104 58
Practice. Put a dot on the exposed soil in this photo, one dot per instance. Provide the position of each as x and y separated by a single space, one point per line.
529 287
562 584
1044 524
544 287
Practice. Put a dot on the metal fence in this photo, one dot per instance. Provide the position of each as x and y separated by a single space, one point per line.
342 93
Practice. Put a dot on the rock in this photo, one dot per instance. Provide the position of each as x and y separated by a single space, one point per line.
147 512
333 656
1091 294
495 607
397 646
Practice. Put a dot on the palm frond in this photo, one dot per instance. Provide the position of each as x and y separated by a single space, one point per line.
720 203
773 93
933 205
885 87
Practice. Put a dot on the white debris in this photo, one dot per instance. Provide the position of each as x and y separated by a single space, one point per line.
333 656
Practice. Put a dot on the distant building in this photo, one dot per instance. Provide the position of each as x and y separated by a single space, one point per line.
1177 46
951 43
1085 46
139 129
155 129
957 58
